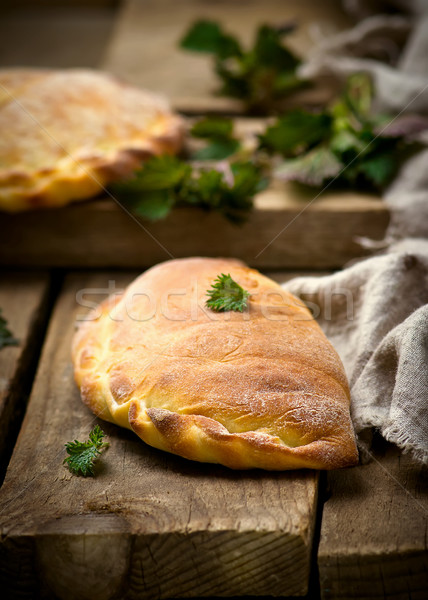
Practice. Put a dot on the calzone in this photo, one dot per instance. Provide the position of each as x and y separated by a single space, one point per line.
263 388
66 134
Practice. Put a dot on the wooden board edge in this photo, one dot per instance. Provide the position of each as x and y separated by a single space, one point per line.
100 234
19 387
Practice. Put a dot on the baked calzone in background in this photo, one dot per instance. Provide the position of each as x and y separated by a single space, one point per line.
263 388
66 134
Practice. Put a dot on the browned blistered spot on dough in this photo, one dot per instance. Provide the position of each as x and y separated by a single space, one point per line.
121 387
166 422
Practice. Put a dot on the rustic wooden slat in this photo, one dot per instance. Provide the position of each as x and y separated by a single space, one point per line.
149 525
46 36
40 4
23 300
374 531
144 48
284 231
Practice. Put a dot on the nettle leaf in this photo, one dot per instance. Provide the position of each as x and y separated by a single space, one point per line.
230 194
150 192
286 82
211 184
312 168
157 173
203 189
6 336
219 131
153 204
237 199
167 183
207 36
213 127
234 82
260 75
217 150
379 168
346 141
296 130
270 51
82 455
248 180
226 294
358 95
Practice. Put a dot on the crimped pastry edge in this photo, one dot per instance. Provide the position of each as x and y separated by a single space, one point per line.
88 177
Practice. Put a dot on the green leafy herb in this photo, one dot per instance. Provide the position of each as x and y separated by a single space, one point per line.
359 91
210 127
312 168
82 455
218 131
165 182
261 75
217 149
296 130
159 173
6 337
344 143
225 294
207 36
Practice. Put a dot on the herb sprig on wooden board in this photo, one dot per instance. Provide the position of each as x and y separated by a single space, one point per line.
345 143
165 181
261 75
225 294
82 455
6 336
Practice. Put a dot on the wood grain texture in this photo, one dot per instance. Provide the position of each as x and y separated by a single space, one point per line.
144 48
285 230
38 4
45 35
149 525
374 531
23 300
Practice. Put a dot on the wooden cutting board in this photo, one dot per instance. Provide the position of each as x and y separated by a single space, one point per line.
283 231
149 525
290 226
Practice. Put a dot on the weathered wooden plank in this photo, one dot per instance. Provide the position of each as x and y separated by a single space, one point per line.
374 531
46 36
144 48
284 231
34 4
149 525
23 300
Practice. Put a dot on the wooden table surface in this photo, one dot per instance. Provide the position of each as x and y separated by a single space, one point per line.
151 525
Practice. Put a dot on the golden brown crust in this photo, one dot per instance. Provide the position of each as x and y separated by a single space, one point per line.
67 134
263 388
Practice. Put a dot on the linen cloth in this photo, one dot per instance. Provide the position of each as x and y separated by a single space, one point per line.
375 312
401 87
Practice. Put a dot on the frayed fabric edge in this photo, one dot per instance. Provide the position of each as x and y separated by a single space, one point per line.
394 435
391 434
